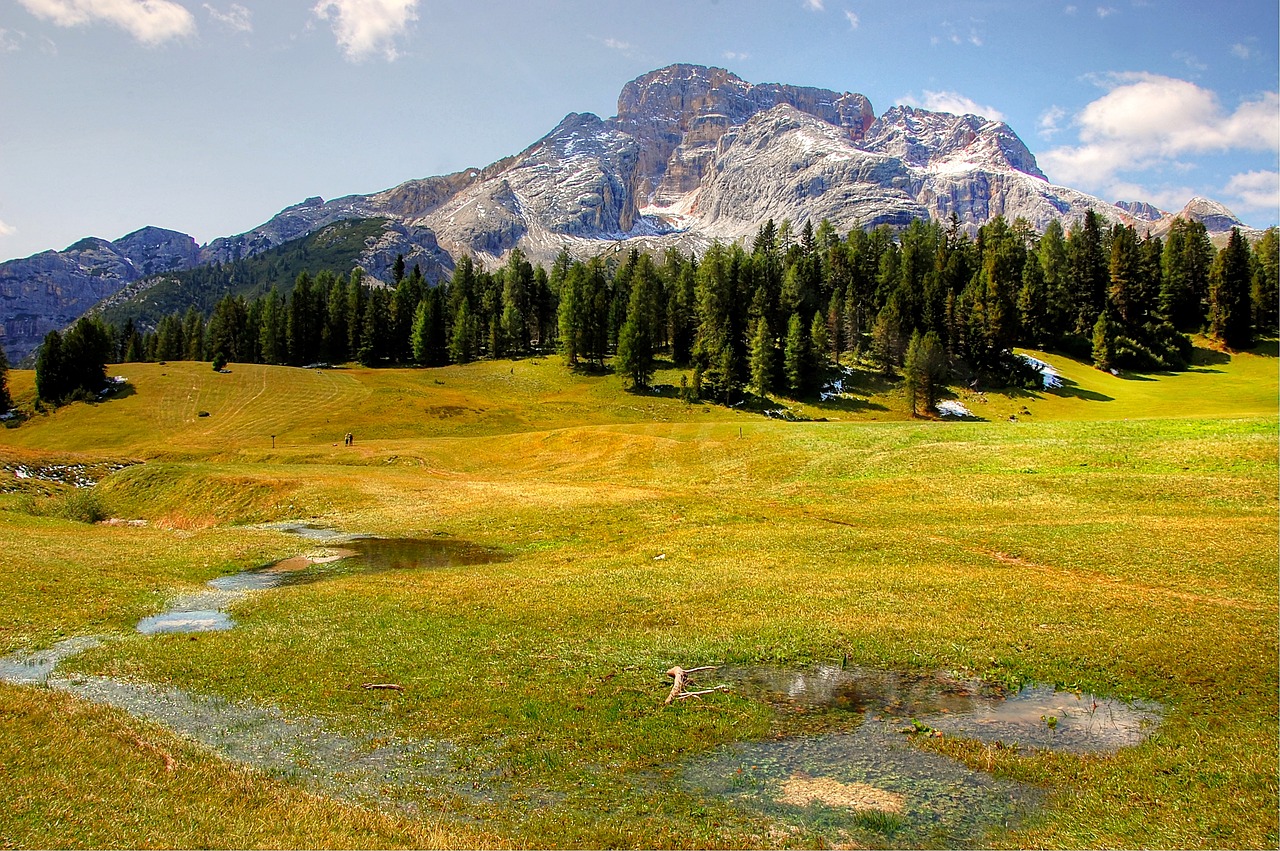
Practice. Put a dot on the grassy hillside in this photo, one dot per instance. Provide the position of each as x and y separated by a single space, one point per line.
1121 537
336 247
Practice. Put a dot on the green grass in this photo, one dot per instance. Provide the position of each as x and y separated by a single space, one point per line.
1121 538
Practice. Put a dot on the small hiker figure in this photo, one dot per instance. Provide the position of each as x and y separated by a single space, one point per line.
349 439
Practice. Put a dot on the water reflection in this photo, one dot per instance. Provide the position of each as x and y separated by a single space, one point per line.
206 610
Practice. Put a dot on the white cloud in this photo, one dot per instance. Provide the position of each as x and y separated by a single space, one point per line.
237 17
149 21
952 102
731 56
7 229
1258 190
367 27
1049 124
1241 51
815 5
1147 121
1071 10
852 18
1105 12
616 44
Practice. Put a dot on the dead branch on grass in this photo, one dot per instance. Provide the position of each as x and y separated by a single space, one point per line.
384 686
681 677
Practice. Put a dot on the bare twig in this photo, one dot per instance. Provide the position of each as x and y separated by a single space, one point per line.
685 694
385 686
681 677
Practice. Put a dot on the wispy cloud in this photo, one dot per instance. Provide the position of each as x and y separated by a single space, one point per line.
1255 190
1051 121
1241 51
7 229
1190 60
815 5
1070 10
952 102
1105 12
237 17
11 40
852 18
1147 121
617 44
732 56
366 28
151 22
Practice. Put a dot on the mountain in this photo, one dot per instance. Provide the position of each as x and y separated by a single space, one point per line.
694 154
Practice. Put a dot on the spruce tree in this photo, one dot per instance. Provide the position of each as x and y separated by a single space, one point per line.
1230 279
1265 291
763 360
638 337
796 357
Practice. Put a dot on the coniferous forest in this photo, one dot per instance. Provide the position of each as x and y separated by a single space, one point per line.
929 302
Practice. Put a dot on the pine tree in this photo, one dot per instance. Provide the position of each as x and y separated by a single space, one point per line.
638 338
818 344
1125 272
763 360
796 357
1265 291
51 378
1230 279
273 340
887 344
357 300
1104 341
924 369
193 335
462 337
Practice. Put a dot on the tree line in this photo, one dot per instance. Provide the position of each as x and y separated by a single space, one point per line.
768 318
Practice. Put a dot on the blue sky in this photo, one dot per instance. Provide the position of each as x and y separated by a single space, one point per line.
209 117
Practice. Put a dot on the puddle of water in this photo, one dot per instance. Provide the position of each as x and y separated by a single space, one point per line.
383 769
199 620
205 611
871 786
36 668
1081 722
868 787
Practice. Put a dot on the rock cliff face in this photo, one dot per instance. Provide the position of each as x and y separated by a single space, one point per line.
678 114
50 290
694 154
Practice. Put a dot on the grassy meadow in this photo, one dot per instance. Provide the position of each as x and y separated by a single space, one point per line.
1120 536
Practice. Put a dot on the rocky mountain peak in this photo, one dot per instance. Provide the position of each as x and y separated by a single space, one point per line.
1141 210
944 142
677 115
1214 216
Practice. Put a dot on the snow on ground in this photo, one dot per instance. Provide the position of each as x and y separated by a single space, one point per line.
1050 379
953 408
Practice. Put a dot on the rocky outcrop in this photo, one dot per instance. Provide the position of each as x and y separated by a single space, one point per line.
50 290
678 114
1141 211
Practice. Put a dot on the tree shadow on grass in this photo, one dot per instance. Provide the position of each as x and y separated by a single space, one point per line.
1266 348
848 405
1071 389
1209 357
